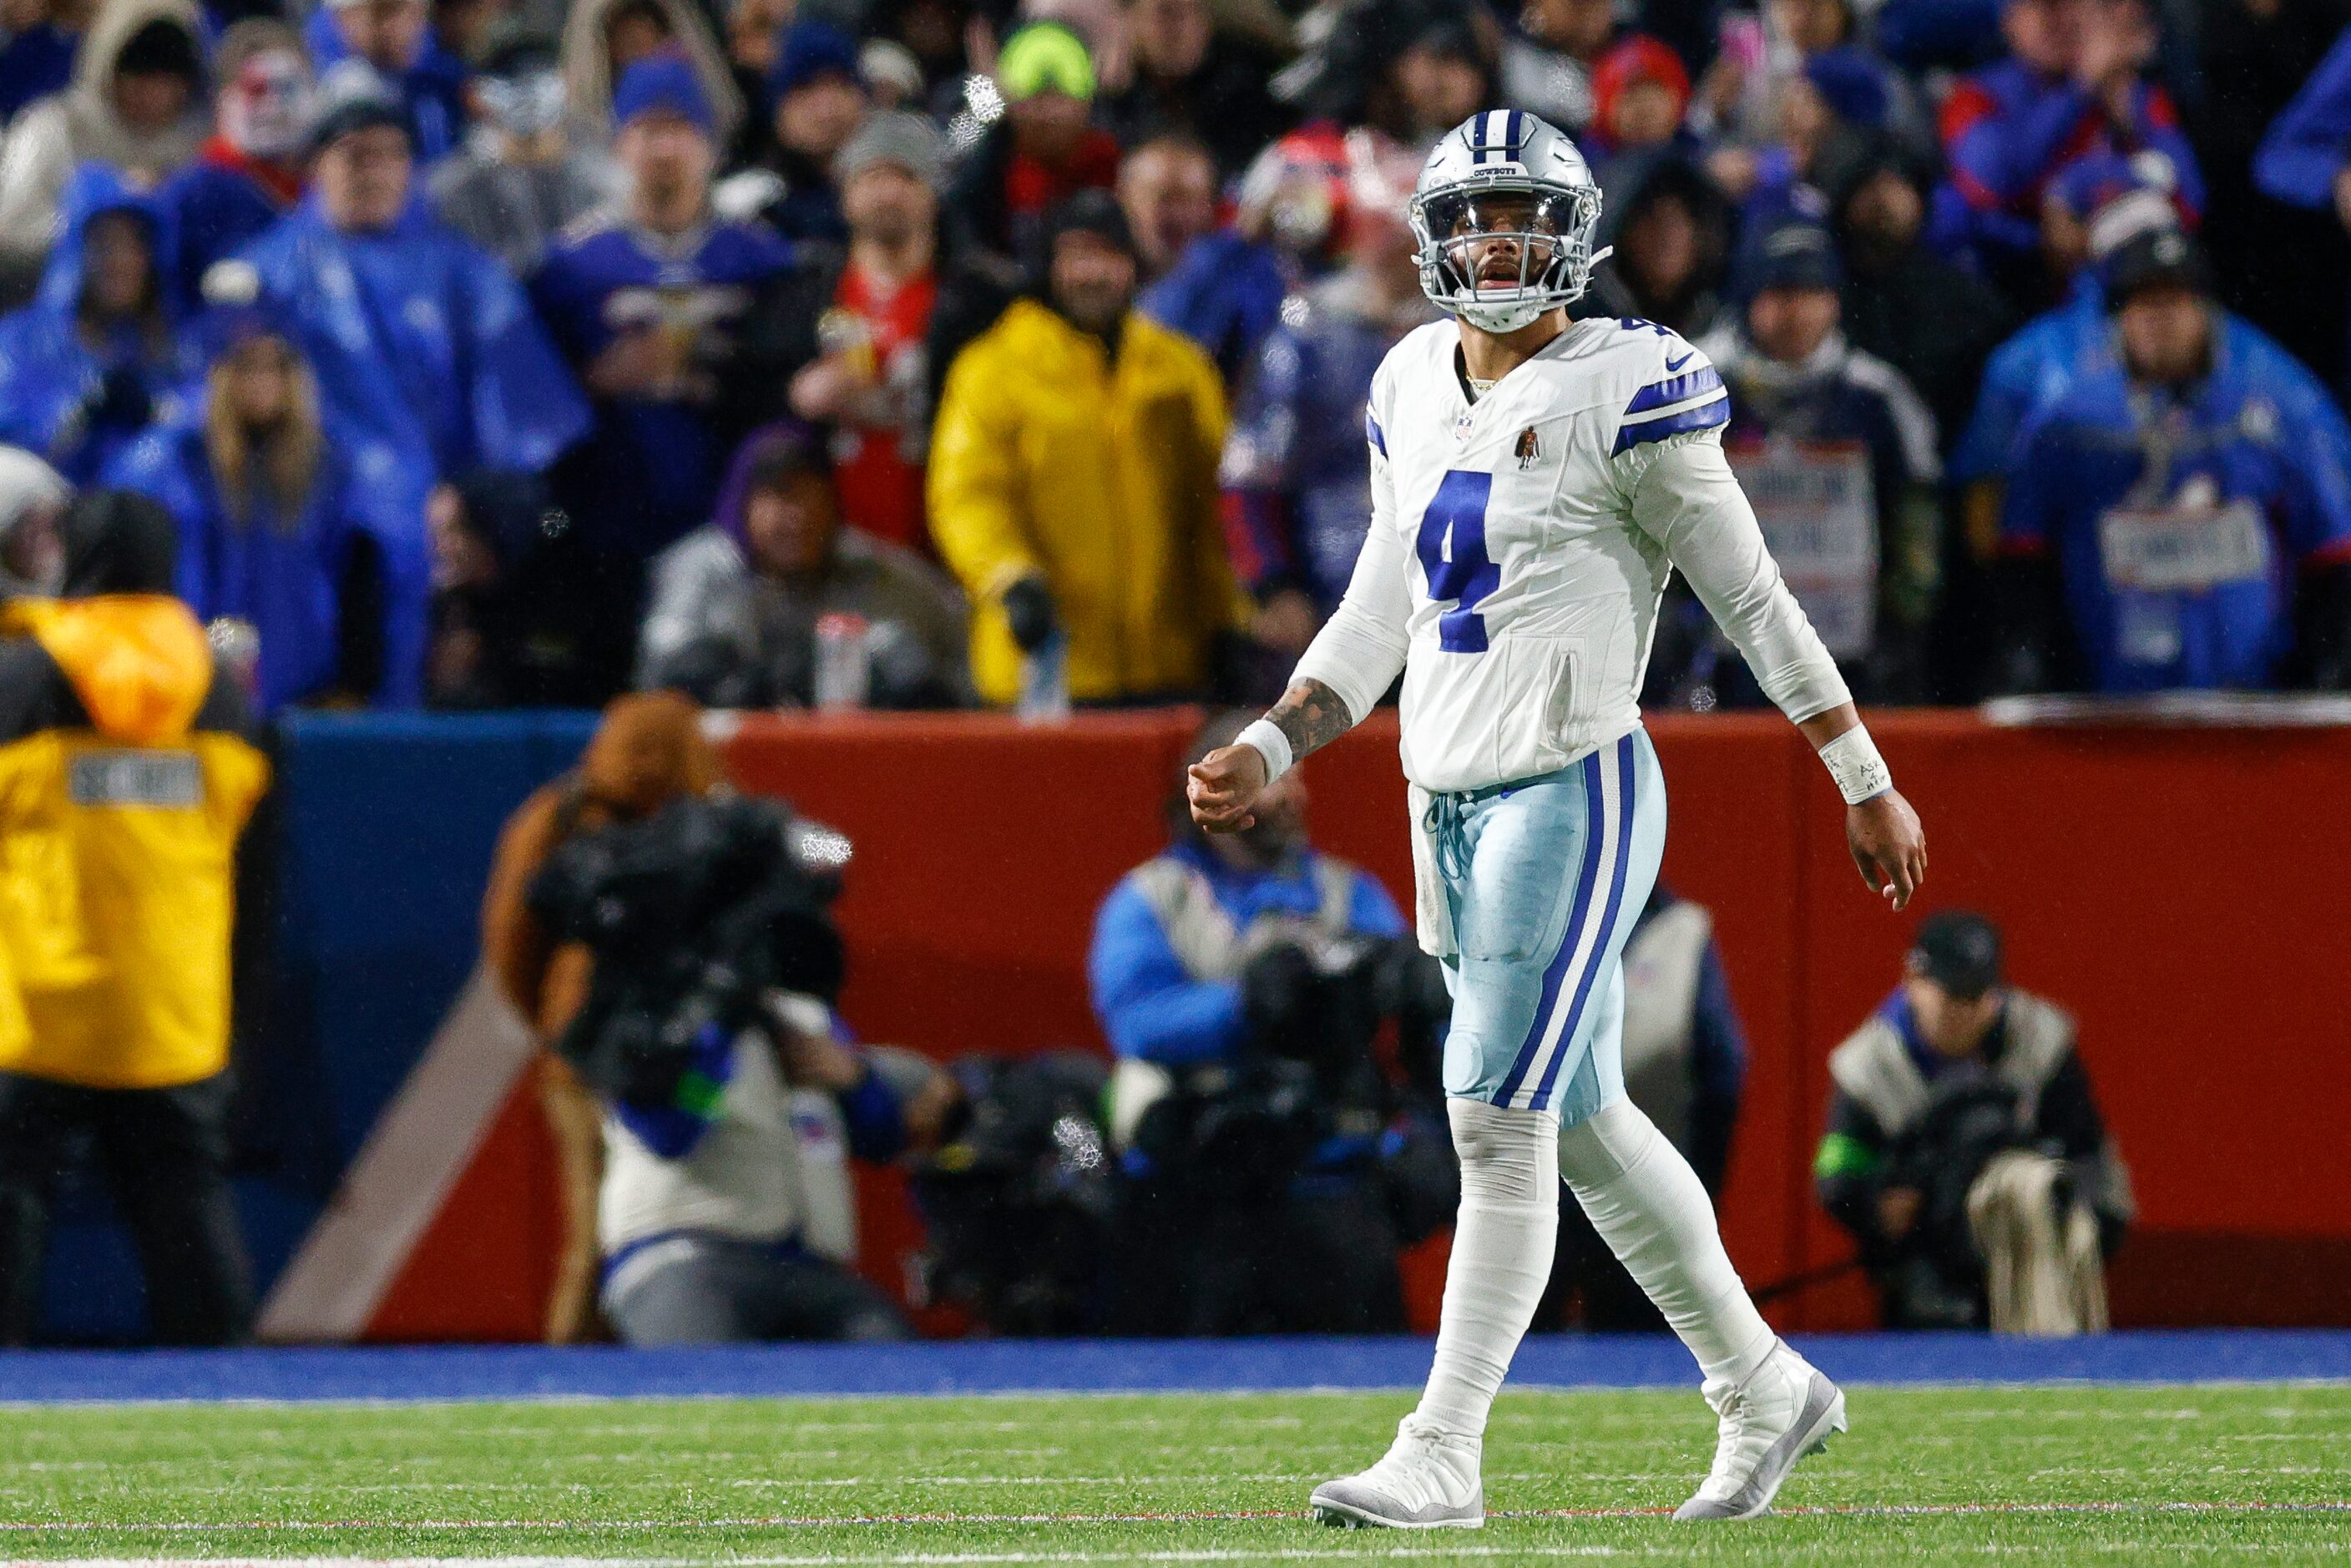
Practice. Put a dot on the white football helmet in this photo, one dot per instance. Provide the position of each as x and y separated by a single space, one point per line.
1505 175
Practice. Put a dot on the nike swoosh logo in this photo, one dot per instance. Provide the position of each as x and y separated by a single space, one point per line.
1673 365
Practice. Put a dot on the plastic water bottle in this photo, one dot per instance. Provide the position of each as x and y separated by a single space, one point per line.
237 649
844 663
1045 683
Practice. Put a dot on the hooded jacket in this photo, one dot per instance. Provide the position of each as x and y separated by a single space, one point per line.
588 74
431 363
125 780
75 397
59 133
1054 457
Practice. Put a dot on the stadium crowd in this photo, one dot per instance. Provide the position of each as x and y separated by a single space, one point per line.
929 352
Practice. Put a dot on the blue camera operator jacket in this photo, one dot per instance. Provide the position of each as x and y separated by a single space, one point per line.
1171 939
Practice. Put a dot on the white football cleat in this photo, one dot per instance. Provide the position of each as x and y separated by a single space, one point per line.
1428 1481
1784 1410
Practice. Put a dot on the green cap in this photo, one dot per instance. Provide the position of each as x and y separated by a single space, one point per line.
1045 55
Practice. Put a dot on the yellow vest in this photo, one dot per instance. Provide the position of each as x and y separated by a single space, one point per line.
121 799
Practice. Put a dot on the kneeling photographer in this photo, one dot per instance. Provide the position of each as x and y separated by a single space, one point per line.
732 1100
1965 1151
1274 1165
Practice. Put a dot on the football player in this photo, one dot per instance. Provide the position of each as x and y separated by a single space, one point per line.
1534 481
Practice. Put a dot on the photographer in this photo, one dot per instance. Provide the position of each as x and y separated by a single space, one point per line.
1273 1177
731 1099
1965 1151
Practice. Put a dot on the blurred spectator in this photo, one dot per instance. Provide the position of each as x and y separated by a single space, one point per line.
1547 64
250 170
648 752
127 778
753 29
394 39
1444 73
1965 1153
861 341
1225 292
466 28
36 57
1933 322
1186 80
1168 188
1298 497
95 357
1838 455
1227 973
33 496
1072 482
2181 515
429 360
136 105
2071 88
602 38
272 531
1672 238
1638 93
1039 150
776 605
936 34
645 301
1685 1067
522 177
524 613
815 101
2304 162
2035 367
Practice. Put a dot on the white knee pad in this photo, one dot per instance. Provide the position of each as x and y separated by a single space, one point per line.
1507 1157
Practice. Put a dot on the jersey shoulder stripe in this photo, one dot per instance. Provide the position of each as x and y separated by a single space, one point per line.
1675 422
1373 434
1689 386
1684 398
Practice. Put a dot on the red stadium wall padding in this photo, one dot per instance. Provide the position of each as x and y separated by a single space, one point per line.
2181 891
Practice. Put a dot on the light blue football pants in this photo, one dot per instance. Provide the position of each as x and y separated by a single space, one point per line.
1544 879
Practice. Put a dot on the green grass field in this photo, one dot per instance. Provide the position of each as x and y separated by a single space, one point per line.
2198 1474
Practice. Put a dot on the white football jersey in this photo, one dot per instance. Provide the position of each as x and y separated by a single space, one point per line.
1520 545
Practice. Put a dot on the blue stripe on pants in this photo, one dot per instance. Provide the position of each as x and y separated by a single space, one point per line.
1623 764
1556 970
1544 881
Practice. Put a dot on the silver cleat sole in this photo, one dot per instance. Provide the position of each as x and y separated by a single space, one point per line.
1341 1513
1823 1416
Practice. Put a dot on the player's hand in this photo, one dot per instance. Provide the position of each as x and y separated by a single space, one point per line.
1888 845
1223 785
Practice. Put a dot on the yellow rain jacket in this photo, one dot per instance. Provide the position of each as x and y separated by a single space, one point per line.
1049 457
124 784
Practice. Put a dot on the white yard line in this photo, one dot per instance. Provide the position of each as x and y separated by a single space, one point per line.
813 1522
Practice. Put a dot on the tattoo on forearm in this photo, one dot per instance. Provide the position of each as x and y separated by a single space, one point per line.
1311 715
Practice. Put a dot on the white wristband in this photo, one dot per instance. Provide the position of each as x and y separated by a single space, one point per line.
1852 762
1271 745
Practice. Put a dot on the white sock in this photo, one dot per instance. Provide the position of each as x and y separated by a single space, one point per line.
1652 1210
1502 1247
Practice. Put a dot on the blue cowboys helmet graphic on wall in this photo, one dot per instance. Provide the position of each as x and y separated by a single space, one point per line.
1505 176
